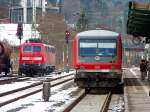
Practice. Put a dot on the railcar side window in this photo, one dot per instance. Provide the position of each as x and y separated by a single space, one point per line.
53 50
49 50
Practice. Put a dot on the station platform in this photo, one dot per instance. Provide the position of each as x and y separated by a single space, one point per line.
136 92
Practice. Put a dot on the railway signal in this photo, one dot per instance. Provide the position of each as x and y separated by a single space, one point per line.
19 31
67 36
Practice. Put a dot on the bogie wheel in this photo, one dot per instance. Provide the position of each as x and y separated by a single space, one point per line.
87 90
119 89
29 75
41 73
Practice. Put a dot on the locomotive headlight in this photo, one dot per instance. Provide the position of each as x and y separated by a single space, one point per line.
25 58
37 58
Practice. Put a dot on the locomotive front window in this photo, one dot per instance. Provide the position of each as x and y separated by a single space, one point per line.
27 48
31 49
36 48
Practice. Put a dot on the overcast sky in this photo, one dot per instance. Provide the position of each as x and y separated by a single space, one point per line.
8 32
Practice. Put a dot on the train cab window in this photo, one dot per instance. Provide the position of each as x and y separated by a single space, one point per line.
106 48
27 48
36 48
101 47
31 49
88 48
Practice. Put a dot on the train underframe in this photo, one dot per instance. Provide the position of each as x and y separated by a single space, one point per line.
89 80
35 69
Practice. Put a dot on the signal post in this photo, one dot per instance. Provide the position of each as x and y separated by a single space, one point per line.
19 34
67 36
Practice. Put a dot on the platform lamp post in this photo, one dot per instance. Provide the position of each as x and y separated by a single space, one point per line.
148 51
123 31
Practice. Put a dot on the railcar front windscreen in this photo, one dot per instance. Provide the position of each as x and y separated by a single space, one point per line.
31 48
97 50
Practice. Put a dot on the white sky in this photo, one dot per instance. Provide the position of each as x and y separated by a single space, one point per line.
8 31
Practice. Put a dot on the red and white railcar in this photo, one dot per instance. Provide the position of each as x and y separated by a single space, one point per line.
36 58
98 58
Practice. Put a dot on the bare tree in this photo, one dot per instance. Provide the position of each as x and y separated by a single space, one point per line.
52 23
52 27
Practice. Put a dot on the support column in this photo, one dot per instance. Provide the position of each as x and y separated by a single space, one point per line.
25 11
43 7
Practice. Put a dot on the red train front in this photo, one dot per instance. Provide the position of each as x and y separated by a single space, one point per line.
98 58
36 58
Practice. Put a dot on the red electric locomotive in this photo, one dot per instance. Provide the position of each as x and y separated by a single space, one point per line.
36 58
98 59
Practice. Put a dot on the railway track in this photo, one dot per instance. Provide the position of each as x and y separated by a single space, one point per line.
14 78
7 80
13 95
89 103
79 99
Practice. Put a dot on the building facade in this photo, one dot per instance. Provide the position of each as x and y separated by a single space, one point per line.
30 9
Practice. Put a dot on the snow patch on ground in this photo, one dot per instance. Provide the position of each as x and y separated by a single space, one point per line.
35 103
